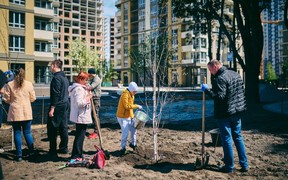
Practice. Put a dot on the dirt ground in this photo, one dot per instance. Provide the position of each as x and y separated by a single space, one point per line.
265 136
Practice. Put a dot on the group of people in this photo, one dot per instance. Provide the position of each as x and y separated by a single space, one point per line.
227 91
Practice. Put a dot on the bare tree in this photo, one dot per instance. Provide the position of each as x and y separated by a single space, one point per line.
151 61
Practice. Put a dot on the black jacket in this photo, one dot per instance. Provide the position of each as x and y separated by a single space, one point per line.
59 89
228 93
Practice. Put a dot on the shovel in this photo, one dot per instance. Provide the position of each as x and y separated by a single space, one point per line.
97 124
202 162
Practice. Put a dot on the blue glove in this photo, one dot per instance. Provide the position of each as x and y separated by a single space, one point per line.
10 74
204 87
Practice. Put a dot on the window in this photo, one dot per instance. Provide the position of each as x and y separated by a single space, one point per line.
43 4
154 10
21 2
17 43
141 3
141 25
203 43
141 14
154 23
43 25
55 43
42 46
16 19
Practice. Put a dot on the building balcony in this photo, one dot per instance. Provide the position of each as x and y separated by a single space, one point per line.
43 35
118 46
45 55
229 13
188 48
118 24
48 13
118 2
229 2
118 56
186 34
187 61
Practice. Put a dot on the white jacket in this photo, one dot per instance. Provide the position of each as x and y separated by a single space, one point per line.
80 111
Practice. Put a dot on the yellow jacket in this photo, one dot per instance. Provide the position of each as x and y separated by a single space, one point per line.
126 105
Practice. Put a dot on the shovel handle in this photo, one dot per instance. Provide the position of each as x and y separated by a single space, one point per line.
96 121
203 124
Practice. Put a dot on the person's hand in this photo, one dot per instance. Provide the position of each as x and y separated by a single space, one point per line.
204 87
51 112
140 107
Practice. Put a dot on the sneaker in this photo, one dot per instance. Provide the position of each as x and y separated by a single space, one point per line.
18 158
63 151
223 169
133 146
93 136
244 169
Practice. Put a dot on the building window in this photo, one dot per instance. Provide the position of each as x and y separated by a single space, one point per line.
16 19
42 46
203 43
154 10
21 2
43 4
17 43
154 22
43 25
141 3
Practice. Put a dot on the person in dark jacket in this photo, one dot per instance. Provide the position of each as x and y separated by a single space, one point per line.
59 110
229 105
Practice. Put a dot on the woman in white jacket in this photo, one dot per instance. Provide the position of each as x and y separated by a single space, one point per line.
80 112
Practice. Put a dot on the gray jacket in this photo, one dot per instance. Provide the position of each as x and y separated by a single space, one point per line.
95 86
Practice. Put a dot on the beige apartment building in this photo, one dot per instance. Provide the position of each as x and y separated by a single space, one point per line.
35 32
135 19
28 30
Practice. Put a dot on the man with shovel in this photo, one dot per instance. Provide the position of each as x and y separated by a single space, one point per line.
95 85
229 104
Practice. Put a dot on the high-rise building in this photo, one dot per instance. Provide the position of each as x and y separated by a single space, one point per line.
272 19
80 19
188 63
112 42
29 34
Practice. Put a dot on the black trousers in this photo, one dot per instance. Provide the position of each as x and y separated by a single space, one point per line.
77 151
58 125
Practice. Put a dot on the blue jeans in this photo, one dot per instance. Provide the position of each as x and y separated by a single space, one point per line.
24 126
230 128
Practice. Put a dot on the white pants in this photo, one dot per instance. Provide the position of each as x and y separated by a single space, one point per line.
127 124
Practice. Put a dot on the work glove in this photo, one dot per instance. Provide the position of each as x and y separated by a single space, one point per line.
140 107
10 75
204 87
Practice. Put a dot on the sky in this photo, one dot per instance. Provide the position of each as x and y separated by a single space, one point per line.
109 10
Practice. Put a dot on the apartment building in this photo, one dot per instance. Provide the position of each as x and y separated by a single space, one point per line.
80 19
112 42
188 64
29 34
272 20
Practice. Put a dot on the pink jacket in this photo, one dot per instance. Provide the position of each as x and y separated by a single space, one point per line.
20 101
80 111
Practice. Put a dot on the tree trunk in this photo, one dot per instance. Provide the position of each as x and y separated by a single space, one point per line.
253 47
155 122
